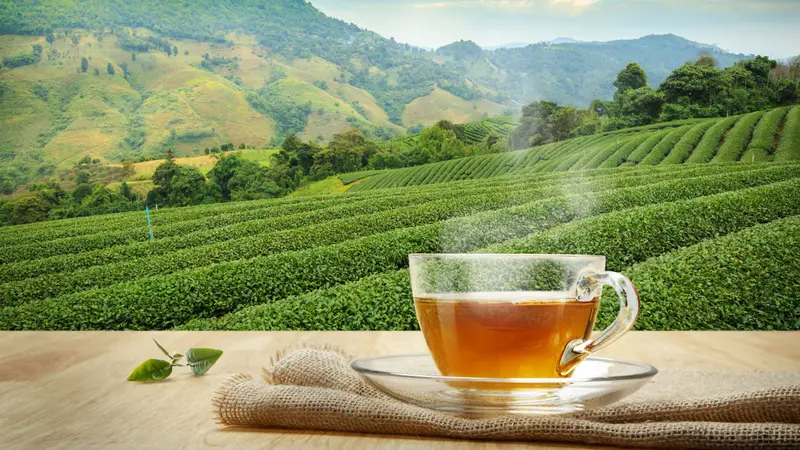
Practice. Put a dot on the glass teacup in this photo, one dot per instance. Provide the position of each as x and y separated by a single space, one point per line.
515 315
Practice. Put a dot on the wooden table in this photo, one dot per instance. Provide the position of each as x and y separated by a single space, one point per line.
68 389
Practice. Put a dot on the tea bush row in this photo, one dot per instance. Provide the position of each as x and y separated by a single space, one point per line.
647 146
707 147
326 233
736 141
70 279
170 300
688 143
720 283
42 248
743 281
764 133
789 147
59 263
135 229
617 157
76 261
663 148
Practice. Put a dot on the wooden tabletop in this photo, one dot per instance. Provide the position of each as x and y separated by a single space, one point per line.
68 389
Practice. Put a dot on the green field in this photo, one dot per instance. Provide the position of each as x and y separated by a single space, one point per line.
758 137
338 261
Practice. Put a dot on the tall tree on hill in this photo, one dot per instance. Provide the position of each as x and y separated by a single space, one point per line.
50 38
110 69
706 59
631 77
84 64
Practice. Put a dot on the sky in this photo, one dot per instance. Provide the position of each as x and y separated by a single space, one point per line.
767 27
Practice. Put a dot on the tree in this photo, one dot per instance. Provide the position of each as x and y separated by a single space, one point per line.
37 50
82 177
177 185
84 64
794 68
631 77
26 209
50 38
698 84
786 91
110 69
96 72
348 151
175 50
133 56
640 106
126 191
224 169
127 168
705 59
85 161
760 67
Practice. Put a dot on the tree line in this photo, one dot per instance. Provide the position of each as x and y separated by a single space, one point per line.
697 89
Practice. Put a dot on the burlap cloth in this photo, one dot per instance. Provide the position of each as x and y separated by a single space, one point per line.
312 389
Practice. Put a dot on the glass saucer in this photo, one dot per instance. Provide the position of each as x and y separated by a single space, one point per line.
415 379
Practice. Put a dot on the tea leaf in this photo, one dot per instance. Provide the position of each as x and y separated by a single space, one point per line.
201 359
151 370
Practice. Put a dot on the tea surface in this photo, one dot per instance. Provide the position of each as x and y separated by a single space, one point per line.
502 334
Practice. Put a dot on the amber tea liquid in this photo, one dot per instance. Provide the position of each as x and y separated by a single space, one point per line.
502 334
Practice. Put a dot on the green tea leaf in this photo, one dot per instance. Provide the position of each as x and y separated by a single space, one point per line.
201 359
151 370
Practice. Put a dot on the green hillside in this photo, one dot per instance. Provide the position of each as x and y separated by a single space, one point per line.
118 80
756 137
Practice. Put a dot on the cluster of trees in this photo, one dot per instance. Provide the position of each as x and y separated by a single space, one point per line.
49 201
24 59
697 89
231 178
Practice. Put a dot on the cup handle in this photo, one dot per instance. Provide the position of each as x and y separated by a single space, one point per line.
578 349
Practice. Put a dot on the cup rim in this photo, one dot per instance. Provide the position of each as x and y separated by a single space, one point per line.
506 255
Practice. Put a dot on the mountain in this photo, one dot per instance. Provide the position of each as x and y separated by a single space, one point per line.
565 40
509 45
117 79
572 73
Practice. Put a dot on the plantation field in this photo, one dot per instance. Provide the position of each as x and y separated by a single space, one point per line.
757 137
710 246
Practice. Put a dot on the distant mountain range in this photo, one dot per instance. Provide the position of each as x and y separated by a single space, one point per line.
120 79
558 40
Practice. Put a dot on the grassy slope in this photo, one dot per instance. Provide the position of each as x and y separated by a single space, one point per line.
441 104
173 99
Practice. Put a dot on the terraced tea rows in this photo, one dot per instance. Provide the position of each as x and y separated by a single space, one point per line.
284 252
757 137
475 132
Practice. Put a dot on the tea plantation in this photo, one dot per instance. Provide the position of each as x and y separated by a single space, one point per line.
757 137
703 215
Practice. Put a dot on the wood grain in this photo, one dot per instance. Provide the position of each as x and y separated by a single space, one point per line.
68 389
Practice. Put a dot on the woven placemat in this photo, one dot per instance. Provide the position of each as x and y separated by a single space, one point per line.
310 389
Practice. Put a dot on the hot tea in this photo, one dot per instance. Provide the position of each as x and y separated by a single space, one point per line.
503 334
